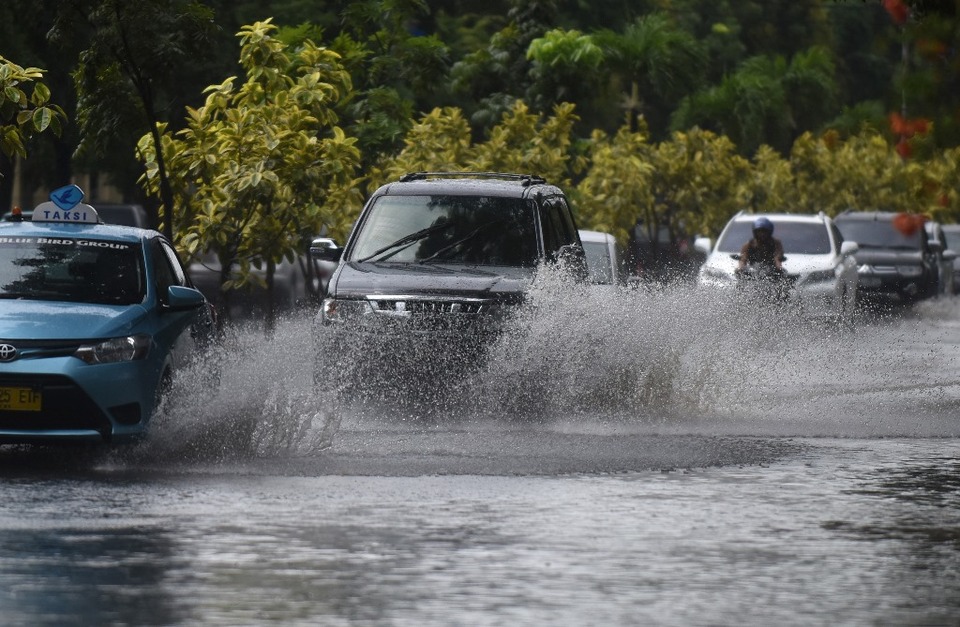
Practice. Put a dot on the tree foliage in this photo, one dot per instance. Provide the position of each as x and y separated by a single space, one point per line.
25 107
129 52
262 166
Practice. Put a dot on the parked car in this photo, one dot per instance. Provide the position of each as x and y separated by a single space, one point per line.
951 233
433 265
126 214
946 257
896 259
819 263
96 320
605 263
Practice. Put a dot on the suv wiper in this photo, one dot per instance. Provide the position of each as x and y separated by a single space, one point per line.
466 238
406 241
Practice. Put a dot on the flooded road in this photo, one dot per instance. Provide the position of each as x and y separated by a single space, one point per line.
626 460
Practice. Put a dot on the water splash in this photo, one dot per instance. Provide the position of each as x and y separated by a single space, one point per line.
251 396
674 359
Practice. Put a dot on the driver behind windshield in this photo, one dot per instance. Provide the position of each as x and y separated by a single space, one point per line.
764 251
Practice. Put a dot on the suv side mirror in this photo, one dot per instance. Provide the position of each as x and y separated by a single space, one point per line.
702 244
848 248
325 249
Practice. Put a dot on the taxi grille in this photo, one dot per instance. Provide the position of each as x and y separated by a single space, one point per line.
64 406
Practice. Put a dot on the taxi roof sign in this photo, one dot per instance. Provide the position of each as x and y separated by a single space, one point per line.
80 213
66 205
67 197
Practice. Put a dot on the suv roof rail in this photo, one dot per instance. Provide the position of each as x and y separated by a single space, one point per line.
525 179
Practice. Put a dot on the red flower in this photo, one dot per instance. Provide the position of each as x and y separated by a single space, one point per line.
903 148
898 125
897 10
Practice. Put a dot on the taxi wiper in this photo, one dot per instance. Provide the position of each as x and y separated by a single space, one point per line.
406 241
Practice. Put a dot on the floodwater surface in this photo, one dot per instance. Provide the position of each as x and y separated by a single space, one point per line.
653 457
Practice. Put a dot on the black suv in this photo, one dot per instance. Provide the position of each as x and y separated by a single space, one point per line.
432 266
895 257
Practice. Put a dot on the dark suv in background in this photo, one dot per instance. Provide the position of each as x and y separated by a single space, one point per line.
434 263
895 256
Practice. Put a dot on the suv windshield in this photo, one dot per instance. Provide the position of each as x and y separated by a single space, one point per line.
76 270
799 238
879 234
481 230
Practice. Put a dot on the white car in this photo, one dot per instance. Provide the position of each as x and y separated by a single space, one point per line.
820 265
946 257
604 258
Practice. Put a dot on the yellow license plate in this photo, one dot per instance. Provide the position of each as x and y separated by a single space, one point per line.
19 399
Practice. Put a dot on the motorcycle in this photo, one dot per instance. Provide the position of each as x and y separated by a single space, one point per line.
764 283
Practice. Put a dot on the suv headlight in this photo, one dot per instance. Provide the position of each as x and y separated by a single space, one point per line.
910 271
115 350
337 310
715 275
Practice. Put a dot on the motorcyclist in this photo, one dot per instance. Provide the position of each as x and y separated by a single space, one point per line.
762 258
764 250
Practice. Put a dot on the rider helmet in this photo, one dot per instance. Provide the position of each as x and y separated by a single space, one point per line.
763 224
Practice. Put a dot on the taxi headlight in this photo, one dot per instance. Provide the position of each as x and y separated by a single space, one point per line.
336 310
129 348
910 271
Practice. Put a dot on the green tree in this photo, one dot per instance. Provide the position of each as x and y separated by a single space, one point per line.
656 64
25 108
128 53
768 100
262 167
565 64
697 175
398 68
616 192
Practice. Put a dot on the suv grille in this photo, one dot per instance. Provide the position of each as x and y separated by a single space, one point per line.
423 306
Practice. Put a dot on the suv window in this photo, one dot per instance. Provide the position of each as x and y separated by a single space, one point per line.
482 230
558 227
880 234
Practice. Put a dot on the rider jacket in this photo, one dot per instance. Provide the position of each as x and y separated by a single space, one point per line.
762 253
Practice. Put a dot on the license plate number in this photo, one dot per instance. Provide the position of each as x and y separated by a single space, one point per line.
870 281
19 399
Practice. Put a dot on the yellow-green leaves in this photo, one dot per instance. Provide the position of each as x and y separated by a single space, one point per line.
260 168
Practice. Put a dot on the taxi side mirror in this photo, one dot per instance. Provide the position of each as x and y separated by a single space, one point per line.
180 298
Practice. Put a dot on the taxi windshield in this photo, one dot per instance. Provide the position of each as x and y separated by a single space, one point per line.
71 269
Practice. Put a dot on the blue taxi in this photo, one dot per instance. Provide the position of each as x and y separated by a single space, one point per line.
95 319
